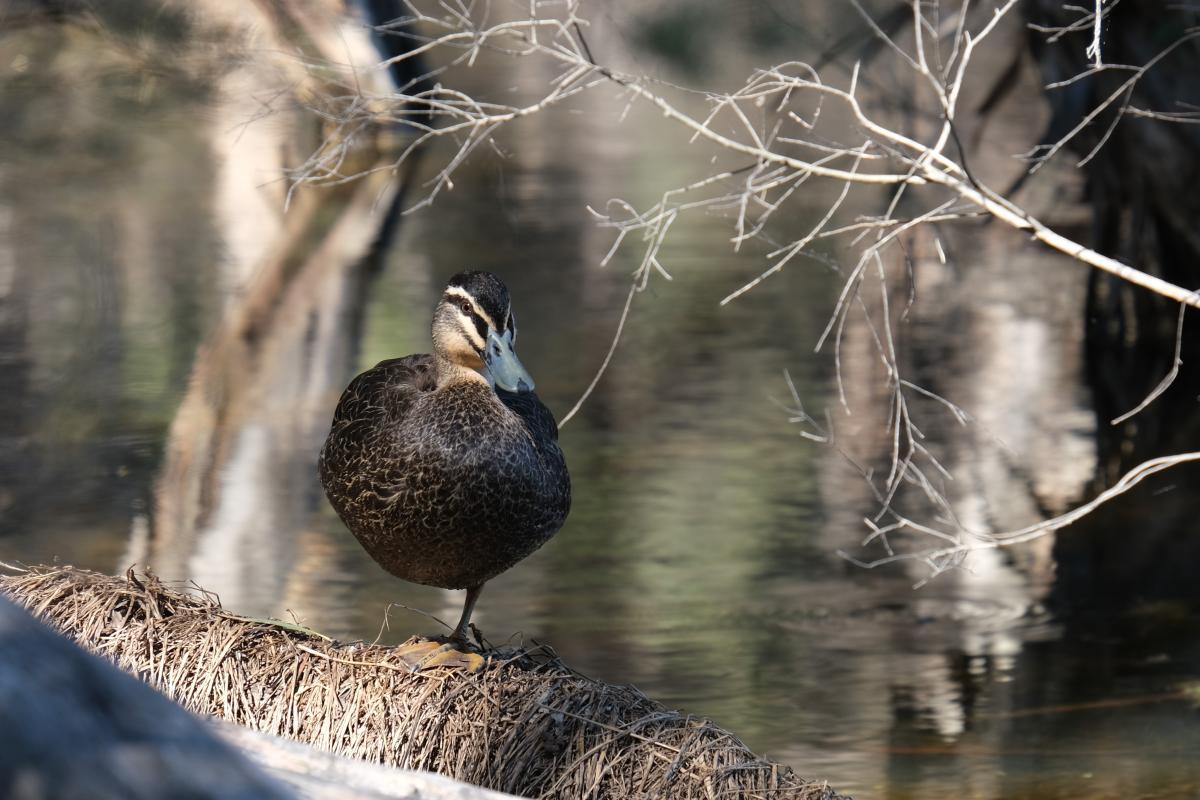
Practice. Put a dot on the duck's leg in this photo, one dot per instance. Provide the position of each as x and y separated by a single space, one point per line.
453 651
464 623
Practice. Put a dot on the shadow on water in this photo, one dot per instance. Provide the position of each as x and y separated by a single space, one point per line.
172 347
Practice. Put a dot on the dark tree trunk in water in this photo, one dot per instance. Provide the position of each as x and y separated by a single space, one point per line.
1141 185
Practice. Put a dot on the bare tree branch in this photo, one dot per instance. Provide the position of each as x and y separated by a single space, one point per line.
776 127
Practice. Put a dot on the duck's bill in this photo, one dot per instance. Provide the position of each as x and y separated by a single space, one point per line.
503 365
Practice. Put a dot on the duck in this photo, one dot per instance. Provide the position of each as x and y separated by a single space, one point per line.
446 466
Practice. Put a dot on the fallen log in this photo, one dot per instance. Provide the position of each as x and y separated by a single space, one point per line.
314 774
525 724
73 726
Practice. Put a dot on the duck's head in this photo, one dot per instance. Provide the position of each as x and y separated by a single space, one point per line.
474 328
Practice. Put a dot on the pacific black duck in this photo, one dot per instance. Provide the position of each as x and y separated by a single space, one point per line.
446 467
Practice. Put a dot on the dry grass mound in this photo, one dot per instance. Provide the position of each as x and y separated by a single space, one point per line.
526 724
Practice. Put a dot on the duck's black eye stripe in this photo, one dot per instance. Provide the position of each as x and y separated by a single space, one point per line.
480 326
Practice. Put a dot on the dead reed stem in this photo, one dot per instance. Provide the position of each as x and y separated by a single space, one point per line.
526 724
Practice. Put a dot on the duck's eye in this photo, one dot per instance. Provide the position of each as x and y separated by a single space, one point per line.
466 307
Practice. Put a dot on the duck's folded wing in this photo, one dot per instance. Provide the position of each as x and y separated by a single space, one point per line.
385 389
365 418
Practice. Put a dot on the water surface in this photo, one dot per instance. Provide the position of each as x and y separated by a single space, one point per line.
700 558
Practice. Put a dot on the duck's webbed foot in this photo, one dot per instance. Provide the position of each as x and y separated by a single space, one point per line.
421 653
454 651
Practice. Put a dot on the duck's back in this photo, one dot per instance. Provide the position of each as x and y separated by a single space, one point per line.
446 486
386 391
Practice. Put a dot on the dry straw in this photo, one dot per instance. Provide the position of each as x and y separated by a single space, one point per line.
525 724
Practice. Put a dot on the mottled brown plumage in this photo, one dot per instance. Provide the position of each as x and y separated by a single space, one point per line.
444 479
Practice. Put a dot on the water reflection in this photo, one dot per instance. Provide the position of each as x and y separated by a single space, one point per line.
148 390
